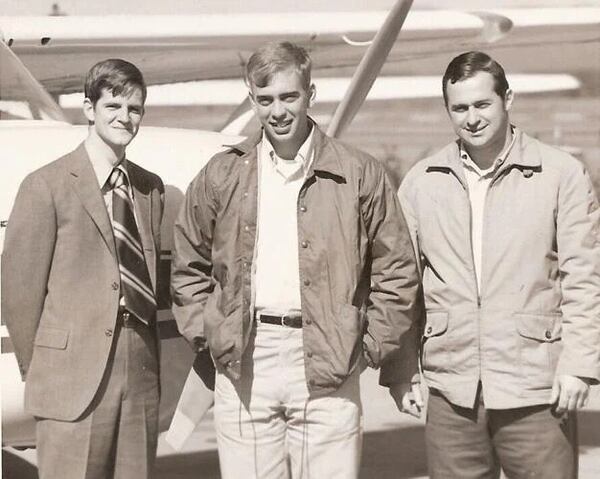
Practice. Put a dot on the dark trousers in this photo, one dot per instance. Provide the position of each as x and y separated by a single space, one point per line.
117 436
528 442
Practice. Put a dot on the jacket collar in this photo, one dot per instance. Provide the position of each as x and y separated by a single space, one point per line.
323 159
522 154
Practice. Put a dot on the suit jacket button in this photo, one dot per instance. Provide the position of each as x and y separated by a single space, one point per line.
548 335
115 285
429 330
108 332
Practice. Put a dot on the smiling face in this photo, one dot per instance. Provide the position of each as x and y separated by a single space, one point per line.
478 114
115 119
282 108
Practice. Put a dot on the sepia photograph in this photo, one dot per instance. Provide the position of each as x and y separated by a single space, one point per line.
344 239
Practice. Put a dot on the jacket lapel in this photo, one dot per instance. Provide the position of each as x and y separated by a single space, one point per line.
85 184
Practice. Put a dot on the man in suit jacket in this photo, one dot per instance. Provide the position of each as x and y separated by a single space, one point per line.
79 272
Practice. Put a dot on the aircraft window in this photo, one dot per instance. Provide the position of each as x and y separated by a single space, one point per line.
21 96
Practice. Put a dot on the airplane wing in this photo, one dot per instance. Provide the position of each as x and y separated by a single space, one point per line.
198 47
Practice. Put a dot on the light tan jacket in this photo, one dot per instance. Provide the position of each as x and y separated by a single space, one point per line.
538 313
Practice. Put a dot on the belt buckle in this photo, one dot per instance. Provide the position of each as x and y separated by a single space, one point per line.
291 321
286 321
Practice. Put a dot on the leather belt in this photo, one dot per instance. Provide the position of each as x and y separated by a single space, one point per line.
290 321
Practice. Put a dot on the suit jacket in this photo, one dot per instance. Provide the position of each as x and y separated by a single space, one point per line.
61 282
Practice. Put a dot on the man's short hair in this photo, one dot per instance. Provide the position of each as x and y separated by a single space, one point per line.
276 57
468 65
115 75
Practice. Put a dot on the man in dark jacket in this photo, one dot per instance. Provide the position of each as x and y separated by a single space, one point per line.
294 266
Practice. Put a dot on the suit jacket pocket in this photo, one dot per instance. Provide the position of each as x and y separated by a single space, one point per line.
54 338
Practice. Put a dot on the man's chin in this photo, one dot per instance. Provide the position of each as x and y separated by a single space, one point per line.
475 141
280 135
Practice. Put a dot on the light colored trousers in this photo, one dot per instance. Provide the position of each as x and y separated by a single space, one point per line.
117 436
268 428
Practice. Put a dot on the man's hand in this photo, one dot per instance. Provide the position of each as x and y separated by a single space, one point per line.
408 398
569 393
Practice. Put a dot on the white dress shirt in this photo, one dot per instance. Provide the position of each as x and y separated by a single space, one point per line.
276 265
478 182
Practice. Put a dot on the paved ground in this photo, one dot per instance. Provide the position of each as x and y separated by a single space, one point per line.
393 445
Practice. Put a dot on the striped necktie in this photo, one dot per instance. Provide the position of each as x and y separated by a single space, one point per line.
135 280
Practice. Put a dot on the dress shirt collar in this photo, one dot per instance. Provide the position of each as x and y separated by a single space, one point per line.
471 165
103 169
301 163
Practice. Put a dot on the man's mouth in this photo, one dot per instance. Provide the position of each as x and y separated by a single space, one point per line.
281 125
475 131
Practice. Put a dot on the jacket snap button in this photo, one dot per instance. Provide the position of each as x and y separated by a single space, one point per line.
309 354
115 285
303 209
429 329
548 335
306 282
308 321
304 244
108 332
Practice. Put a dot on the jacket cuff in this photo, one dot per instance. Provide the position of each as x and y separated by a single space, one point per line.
399 369
591 373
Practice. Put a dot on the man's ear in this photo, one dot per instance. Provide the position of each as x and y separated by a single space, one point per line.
312 95
509 96
252 101
88 110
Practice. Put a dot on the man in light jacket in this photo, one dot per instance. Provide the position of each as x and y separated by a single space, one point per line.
294 265
506 232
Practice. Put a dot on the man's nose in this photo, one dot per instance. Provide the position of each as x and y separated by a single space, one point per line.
278 109
123 115
472 117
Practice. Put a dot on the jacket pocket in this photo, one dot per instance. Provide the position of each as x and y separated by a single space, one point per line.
434 352
54 338
539 347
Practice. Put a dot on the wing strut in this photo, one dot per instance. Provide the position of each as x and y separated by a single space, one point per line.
369 67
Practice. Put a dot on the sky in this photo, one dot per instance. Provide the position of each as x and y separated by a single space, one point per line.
102 7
